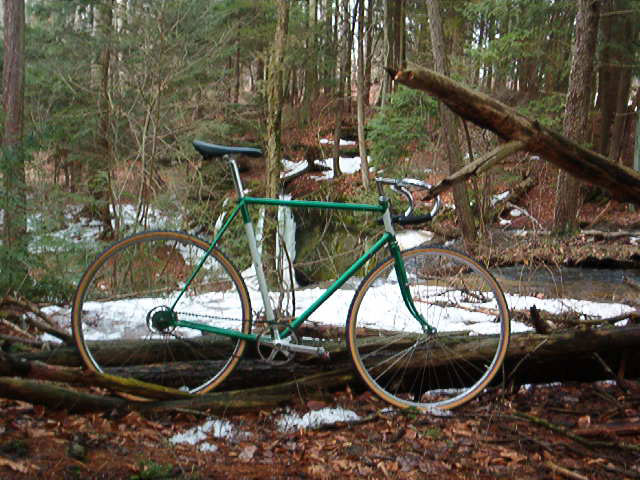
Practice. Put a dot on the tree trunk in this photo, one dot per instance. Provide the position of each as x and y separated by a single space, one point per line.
275 79
13 167
578 106
622 183
14 198
362 145
343 81
368 56
394 49
100 183
606 84
449 128
629 34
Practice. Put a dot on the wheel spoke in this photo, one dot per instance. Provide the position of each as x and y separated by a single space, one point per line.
119 318
453 293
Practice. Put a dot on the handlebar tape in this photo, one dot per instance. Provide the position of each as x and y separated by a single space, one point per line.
410 219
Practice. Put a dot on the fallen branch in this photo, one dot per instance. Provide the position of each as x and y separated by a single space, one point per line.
565 472
76 376
41 321
480 165
618 234
594 444
621 182
611 429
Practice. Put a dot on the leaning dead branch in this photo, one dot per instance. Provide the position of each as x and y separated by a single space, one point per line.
621 182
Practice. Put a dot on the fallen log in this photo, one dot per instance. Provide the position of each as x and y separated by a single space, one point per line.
531 358
57 397
621 182
77 376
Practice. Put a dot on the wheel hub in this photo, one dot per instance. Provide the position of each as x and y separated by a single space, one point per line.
161 319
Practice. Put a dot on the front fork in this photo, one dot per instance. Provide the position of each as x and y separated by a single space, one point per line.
401 272
403 282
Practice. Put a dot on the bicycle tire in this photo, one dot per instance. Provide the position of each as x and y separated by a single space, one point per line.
408 367
116 333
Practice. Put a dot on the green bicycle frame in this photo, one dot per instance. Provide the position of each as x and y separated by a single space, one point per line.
387 238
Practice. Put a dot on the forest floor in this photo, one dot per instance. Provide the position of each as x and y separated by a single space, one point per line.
574 431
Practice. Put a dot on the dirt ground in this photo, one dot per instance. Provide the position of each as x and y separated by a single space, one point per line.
579 431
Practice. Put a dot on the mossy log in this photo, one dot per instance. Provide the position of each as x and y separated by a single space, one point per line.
538 357
621 182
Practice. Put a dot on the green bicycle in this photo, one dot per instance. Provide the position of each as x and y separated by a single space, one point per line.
171 309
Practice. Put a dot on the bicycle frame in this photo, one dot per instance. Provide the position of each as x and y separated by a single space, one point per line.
242 207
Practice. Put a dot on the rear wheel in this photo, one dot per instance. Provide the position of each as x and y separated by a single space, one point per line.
122 320
407 365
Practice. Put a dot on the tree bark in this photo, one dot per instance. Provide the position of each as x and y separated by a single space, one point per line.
606 75
362 91
394 49
622 183
100 183
13 156
578 106
275 81
449 128
342 93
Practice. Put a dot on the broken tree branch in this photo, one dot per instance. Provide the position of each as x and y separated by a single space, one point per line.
621 182
480 165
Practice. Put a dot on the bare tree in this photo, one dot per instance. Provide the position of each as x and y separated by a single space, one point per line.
362 90
449 127
13 167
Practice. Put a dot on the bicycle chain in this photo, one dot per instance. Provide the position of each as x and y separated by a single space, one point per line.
204 315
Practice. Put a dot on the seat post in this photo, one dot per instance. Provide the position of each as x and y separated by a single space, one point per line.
237 181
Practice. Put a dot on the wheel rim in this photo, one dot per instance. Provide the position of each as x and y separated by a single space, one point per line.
121 320
408 368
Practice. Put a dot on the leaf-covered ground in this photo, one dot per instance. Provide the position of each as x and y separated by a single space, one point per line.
545 432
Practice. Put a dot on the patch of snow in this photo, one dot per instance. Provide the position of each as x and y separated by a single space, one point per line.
207 447
634 240
343 143
314 419
347 165
291 168
515 212
501 196
504 221
213 427
412 238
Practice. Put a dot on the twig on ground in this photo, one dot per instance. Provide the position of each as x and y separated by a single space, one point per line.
577 438
565 472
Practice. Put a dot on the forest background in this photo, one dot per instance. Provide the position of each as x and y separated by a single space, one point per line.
112 93
102 99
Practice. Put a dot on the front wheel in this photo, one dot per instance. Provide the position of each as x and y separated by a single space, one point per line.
123 322
446 363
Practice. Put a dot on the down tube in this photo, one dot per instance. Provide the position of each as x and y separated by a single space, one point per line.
386 238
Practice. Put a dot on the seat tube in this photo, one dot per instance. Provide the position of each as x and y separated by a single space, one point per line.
237 181
251 239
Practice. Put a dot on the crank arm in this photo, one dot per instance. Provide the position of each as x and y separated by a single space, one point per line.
294 347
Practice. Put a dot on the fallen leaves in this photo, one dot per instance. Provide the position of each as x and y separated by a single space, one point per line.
475 442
